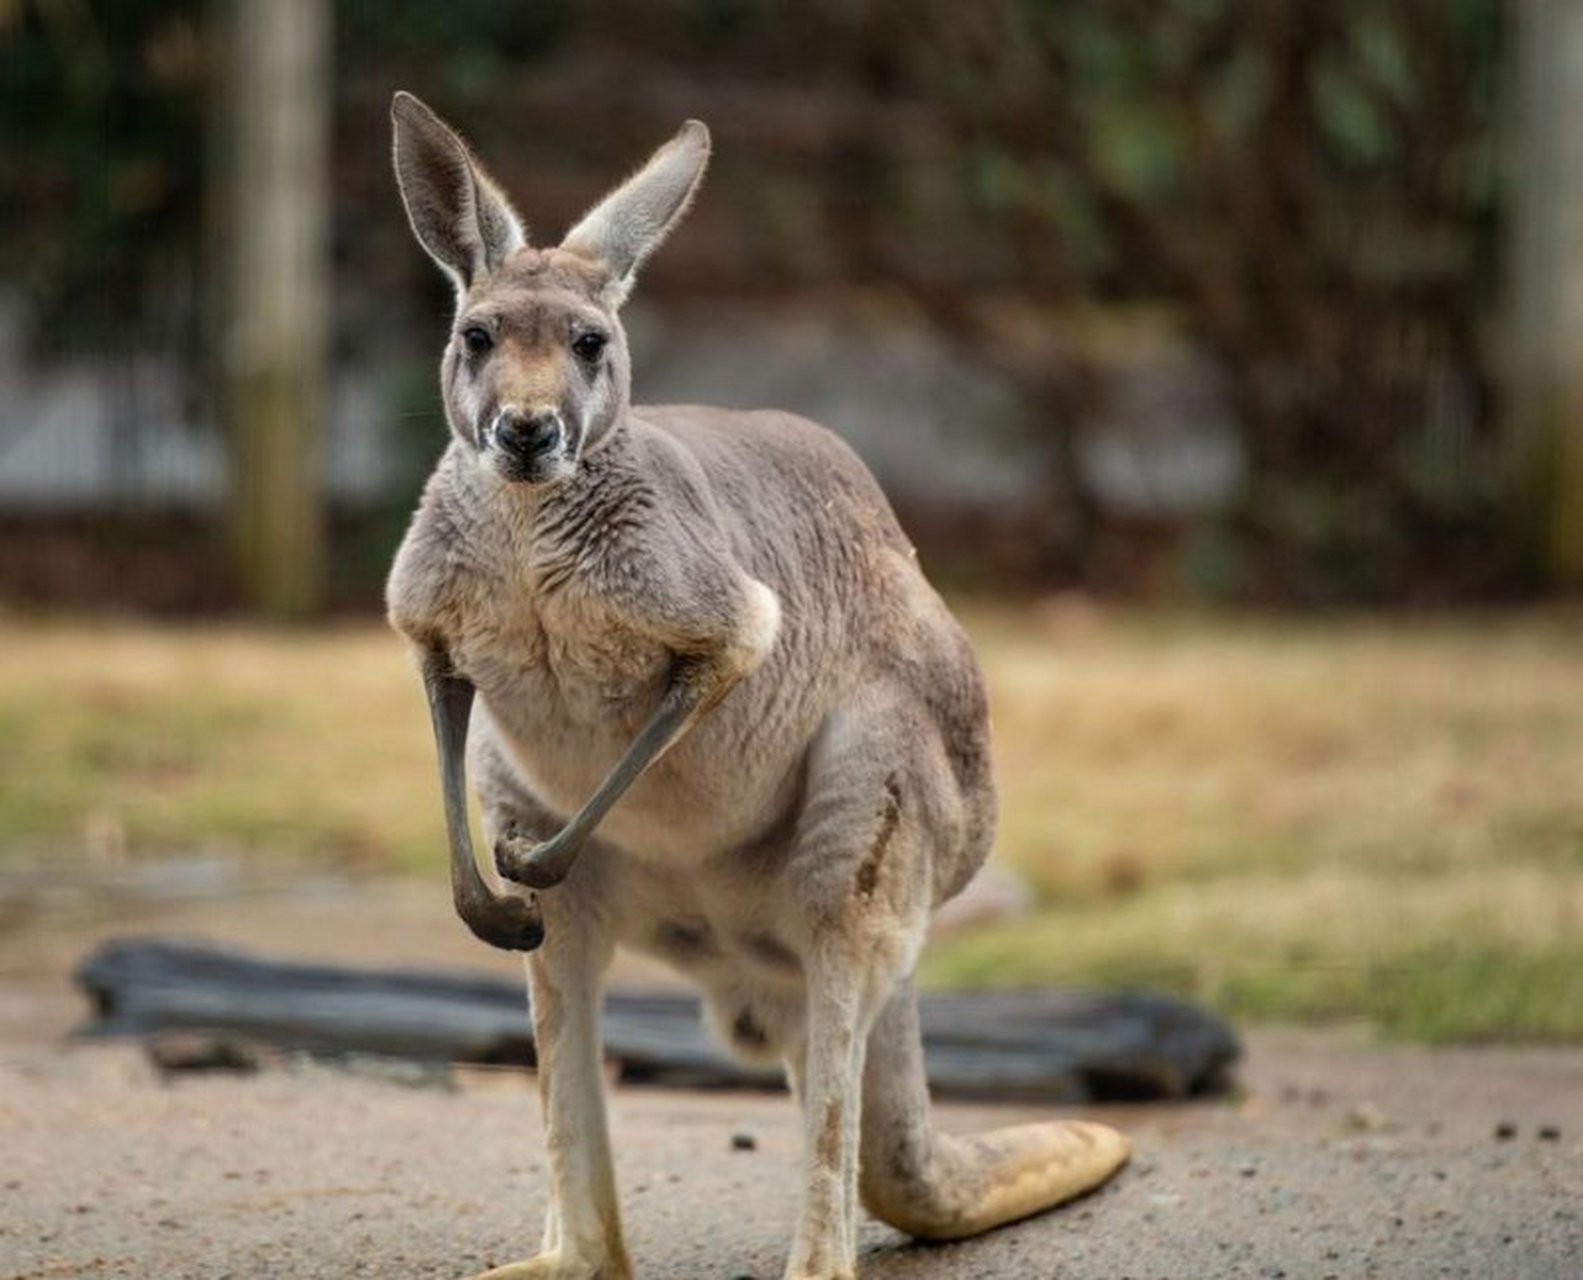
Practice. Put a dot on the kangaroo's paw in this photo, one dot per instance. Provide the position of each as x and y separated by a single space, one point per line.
552 1266
513 850
537 864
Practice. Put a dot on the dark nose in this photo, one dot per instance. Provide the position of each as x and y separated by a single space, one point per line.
527 434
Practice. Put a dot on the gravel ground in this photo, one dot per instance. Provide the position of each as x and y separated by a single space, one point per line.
1339 1158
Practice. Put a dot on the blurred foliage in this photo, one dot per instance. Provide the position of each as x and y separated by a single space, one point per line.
100 185
1311 187
1314 186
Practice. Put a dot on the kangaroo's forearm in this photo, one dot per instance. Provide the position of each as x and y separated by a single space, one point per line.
509 923
545 865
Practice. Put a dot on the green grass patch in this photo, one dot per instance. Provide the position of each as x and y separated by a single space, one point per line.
1466 961
1438 992
1443 992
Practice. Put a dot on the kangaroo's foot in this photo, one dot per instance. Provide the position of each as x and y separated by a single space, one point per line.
943 1188
552 1266
937 1187
821 1273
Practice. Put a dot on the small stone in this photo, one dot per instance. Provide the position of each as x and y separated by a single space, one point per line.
406 1072
744 1142
183 1051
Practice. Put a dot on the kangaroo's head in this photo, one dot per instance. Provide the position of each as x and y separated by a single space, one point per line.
536 371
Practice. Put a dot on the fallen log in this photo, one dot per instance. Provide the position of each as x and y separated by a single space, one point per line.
1064 1046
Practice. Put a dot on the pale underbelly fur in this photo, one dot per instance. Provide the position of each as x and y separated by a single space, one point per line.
689 867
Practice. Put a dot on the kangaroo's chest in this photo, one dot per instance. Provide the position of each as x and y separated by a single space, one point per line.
566 686
558 669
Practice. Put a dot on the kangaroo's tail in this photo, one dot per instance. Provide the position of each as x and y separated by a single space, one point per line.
937 1187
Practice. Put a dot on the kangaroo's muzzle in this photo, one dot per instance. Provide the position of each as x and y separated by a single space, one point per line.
529 447
527 436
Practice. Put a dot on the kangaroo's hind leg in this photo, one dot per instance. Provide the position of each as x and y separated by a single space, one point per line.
582 1233
859 882
937 1187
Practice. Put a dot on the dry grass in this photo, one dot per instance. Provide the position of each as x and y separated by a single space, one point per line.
1375 818
174 738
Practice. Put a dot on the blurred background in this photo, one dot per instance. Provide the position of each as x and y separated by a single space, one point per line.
1218 354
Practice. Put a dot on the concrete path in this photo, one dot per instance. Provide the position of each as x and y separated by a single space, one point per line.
1339 1158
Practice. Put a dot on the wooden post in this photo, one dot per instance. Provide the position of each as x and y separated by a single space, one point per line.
273 241
1544 332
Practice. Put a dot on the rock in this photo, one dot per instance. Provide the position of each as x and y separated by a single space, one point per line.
176 1052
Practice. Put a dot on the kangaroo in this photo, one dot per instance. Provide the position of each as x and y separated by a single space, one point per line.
717 715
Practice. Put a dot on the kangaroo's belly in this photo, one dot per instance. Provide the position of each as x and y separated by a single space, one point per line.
720 788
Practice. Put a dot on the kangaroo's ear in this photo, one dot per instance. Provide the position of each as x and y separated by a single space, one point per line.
457 212
628 224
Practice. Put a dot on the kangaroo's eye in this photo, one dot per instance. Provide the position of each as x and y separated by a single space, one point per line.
476 339
589 346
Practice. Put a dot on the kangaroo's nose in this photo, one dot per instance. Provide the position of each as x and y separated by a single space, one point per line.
527 434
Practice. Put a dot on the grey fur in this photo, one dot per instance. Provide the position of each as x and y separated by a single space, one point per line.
715 617
629 224
458 214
